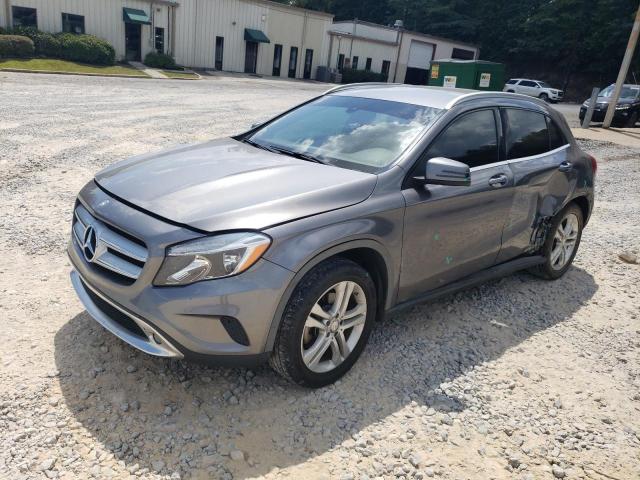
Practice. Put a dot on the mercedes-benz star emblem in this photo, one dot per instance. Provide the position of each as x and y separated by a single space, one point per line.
89 243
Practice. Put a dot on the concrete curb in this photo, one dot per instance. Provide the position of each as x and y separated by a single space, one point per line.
82 74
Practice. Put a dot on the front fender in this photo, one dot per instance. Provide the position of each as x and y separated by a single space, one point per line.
300 246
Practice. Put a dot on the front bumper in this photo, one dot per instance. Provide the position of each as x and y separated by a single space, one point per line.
224 321
600 113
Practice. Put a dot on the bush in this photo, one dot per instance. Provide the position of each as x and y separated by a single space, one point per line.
349 75
68 46
159 60
16 46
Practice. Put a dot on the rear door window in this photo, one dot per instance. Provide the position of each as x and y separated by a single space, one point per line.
471 138
527 133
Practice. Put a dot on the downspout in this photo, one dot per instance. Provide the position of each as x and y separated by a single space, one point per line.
399 42
303 54
330 50
173 30
7 4
195 35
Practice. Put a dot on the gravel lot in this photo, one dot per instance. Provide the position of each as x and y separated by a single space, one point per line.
520 378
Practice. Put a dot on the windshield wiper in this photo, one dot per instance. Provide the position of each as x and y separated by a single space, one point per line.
258 145
295 154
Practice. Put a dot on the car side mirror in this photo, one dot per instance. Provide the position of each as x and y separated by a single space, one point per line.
444 171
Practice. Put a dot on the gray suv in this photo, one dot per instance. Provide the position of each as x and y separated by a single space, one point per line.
286 243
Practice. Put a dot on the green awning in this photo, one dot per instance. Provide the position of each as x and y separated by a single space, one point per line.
133 15
251 35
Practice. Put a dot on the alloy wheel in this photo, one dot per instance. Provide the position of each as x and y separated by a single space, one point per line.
333 326
564 241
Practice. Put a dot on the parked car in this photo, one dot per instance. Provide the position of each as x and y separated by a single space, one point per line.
285 243
534 88
627 109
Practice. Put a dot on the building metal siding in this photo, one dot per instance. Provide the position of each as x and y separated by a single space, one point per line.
102 18
191 28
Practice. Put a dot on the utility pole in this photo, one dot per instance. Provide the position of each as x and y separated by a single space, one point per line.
624 68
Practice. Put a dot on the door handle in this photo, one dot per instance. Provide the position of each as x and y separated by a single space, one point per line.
565 166
498 181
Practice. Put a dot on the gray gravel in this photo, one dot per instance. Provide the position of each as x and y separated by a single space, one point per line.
519 378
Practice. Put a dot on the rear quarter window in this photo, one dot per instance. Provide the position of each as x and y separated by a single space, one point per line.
512 82
527 133
556 137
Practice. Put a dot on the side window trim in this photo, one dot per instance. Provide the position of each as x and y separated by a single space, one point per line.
499 138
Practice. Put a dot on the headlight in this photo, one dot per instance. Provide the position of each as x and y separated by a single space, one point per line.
211 257
623 106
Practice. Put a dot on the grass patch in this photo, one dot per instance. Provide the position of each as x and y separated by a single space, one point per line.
176 74
55 65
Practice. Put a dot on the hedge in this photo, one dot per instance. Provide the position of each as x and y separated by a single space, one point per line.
349 75
69 46
16 46
159 60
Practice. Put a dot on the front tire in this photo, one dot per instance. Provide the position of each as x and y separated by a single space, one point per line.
562 243
544 97
633 119
326 324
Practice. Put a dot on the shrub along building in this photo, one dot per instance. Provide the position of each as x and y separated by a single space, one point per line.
252 36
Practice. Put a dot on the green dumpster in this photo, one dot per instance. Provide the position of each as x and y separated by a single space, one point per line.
471 74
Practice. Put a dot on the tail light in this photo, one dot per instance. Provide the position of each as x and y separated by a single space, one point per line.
594 164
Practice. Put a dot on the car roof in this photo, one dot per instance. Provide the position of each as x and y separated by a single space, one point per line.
436 97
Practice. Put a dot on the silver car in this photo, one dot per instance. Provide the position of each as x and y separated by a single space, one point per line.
287 242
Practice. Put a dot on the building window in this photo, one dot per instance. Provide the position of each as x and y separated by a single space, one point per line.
277 60
293 62
340 62
367 66
462 54
24 17
219 52
354 63
72 23
308 63
159 40
386 64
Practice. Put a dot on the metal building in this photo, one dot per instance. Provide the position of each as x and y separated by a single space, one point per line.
403 56
253 36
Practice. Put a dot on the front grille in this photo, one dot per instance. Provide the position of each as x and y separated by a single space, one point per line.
108 248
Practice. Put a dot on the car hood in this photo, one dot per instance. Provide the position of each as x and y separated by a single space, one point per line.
604 101
226 185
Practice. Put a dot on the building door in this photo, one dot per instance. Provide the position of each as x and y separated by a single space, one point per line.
293 62
277 60
219 52
133 41
308 63
251 57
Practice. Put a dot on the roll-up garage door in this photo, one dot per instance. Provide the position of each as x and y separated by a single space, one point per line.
420 54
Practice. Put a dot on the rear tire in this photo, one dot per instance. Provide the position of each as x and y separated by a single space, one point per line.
561 245
326 324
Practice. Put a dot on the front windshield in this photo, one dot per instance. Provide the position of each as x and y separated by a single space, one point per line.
352 132
544 85
628 91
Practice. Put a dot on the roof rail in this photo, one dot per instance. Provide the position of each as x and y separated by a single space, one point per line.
349 86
